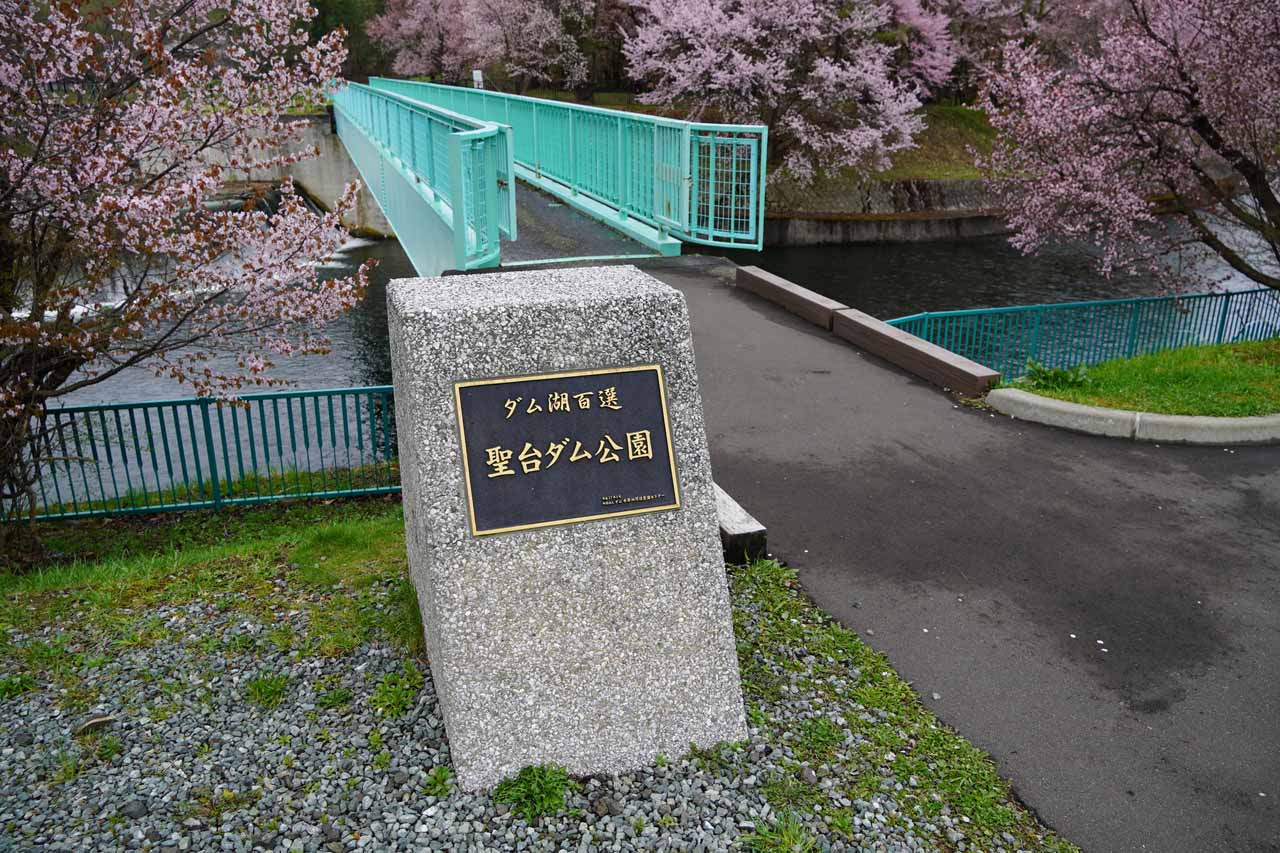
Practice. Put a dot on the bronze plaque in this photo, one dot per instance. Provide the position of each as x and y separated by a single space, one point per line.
559 448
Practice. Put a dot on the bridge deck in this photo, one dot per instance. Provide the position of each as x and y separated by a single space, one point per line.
551 231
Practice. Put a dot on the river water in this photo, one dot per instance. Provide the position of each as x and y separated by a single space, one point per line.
886 281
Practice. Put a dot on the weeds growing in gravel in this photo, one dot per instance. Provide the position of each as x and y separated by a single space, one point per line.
821 700
331 699
395 692
536 791
267 691
873 730
788 835
438 782
109 748
15 685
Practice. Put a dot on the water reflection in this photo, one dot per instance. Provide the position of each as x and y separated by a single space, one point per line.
893 280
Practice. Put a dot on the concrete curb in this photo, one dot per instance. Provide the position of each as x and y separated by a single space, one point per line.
801 301
744 539
1139 426
928 361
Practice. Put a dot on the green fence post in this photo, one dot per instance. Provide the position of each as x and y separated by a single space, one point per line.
1133 329
208 443
459 202
1222 321
573 158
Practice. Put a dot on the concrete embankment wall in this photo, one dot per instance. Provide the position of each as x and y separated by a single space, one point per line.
323 178
880 212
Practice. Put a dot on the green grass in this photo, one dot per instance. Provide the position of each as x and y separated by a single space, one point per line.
536 791
439 782
788 835
396 691
104 576
331 699
944 151
1227 380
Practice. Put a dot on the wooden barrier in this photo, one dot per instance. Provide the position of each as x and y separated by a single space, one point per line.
800 301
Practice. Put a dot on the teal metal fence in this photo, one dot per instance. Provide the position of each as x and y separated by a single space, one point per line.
123 458
1073 333
422 161
702 183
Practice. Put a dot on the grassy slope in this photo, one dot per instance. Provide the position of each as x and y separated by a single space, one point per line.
1231 380
945 149
344 563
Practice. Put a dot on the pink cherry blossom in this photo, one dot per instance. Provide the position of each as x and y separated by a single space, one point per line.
1176 107
815 72
526 41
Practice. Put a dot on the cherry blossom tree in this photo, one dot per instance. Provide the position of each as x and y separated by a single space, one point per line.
928 48
525 41
430 38
118 123
1178 106
819 74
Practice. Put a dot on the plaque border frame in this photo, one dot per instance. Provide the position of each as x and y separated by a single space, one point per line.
563 374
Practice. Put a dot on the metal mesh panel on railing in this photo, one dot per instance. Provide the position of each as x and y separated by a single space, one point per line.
1074 333
702 182
724 193
185 454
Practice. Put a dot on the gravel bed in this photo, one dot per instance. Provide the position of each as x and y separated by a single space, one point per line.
188 761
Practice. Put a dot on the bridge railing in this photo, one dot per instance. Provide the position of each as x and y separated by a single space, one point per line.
1074 333
703 183
411 154
123 458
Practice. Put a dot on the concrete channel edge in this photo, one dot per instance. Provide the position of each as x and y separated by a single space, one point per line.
1138 426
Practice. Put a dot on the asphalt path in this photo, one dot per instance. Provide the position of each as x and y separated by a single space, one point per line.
1102 616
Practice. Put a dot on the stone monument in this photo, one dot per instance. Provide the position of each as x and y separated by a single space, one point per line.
561 519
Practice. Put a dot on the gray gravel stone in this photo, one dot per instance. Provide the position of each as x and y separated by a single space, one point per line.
201 768
134 809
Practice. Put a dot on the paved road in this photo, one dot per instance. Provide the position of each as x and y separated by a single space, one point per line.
904 513
548 229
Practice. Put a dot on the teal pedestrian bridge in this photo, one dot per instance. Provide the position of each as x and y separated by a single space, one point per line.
443 164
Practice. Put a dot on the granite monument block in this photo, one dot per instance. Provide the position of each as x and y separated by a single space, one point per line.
561 519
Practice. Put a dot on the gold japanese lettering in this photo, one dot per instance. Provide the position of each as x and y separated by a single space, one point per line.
558 401
554 451
533 406
609 453
609 398
530 458
584 399
639 445
499 460
578 453
511 405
